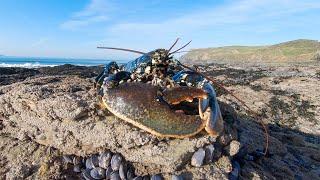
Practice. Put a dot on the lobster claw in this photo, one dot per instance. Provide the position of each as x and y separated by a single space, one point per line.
209 111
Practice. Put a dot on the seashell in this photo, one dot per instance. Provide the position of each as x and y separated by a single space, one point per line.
209 153
67 158
123 171
98 173
104 159
108 172
86 174
176 177
116 162
138 178
156 177
130 173
77 168
146 177
92 162
115 176
197 158
77 160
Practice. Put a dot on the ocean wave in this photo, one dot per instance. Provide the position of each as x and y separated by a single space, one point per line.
26 65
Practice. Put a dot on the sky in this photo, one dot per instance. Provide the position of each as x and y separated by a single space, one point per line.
74 28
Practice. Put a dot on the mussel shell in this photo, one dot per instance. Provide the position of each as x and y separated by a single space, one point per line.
123 171
98 173
115 176
138 178
67 158
104 159
92 162
86 174
156 177
77 168
108 172
116 162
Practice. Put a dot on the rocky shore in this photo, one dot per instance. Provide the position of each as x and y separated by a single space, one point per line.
51 127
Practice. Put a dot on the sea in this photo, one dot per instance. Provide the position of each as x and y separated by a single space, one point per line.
35 62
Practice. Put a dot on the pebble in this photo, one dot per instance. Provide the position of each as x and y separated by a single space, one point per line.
104 159
198 157
209 151
156 177
115 176
233 148
116 162
98 173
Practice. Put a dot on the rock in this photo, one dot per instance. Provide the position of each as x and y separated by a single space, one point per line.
51 108
198 157
224 164
233 148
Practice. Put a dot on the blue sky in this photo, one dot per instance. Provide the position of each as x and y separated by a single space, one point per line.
73 28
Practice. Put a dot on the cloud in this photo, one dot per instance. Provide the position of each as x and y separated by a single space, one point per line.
40 42
96 11
234 13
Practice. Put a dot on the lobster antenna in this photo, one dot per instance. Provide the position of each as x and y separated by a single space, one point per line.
180 48
242 102
173 45
122 49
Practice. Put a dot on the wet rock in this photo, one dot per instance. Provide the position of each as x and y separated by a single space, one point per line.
198 157
116 162
98 173
233 148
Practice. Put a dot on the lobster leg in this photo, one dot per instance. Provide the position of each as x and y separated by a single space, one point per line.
209 109
110 68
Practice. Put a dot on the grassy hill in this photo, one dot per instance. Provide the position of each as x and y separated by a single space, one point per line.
292 51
